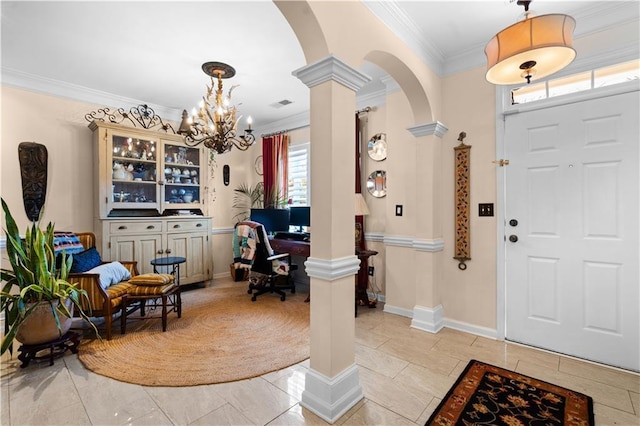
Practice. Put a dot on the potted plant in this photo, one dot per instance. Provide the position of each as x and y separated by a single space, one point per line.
36 285
247 197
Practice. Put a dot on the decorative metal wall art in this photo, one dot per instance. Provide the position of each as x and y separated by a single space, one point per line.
141 115
377 183
463 244
33 159
377 147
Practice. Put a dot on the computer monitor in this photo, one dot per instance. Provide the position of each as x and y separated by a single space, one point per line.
273 220
300 216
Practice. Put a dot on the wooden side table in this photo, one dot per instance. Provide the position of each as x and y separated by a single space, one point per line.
172 262
169 300
362 280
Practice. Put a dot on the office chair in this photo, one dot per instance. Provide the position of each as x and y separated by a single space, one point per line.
270 272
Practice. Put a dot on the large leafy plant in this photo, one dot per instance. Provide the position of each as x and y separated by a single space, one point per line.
247 197
34 278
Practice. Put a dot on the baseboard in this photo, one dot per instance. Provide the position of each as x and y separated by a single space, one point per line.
330 398
428 319
381 298
490 333
398 311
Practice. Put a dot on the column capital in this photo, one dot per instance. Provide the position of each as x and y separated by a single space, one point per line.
436 128
331 68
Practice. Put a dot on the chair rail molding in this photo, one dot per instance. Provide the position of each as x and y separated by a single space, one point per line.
332 269
433 245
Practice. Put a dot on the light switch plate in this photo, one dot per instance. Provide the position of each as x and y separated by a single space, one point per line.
485 209
398 209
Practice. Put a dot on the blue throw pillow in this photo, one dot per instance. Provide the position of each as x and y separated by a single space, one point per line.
86 260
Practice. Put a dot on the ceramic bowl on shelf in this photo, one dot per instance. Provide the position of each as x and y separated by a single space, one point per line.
186 180
187 198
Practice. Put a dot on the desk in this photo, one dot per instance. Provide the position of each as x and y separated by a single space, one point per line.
293 247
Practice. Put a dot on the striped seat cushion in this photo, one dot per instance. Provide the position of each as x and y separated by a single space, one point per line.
152 279
146 290
118 290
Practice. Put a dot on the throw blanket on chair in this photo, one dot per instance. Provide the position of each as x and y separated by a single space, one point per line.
244 245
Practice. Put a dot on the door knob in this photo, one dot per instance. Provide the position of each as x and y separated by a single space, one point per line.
513 238
513 222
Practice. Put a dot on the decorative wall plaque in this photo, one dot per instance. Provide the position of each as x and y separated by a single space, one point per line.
33 159
462 207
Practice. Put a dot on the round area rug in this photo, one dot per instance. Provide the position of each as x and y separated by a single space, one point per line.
222 336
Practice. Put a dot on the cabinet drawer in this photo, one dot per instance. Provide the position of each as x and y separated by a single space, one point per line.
187 225
135 227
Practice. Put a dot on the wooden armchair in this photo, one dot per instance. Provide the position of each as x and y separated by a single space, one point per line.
102 302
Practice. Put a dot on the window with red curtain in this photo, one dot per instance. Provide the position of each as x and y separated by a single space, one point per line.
275 159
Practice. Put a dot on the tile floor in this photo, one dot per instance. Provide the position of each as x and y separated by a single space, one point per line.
404 374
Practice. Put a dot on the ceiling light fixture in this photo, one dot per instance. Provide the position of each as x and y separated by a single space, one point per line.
536 46
215 124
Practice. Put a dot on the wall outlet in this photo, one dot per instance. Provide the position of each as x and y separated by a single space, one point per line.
371 269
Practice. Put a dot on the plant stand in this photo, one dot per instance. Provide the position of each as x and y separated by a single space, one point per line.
56 348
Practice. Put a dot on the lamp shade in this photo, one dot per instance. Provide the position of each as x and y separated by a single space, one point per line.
538 46
361 206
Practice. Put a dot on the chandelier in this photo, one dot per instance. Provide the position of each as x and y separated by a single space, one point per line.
536 46
215 124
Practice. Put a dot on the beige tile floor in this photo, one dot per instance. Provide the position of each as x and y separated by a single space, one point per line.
404 374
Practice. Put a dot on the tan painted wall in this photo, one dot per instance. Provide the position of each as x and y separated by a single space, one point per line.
58 124
469 105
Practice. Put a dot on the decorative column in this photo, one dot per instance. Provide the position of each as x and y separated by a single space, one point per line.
428 244
332 384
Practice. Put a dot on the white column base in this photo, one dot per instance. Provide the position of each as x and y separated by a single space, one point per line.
330 398
428 319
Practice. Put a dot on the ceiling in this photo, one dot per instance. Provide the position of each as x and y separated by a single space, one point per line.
151 52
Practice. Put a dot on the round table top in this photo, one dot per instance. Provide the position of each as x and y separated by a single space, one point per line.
168 261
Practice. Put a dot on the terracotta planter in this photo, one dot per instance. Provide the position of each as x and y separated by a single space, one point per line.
40 326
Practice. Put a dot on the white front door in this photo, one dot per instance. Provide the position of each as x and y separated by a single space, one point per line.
572 196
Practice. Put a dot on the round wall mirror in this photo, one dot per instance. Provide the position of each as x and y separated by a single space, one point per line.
377 147
377 183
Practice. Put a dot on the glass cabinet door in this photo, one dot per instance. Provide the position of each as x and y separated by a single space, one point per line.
134 180
182 173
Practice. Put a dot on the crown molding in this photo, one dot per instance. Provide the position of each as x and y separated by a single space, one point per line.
408 31
48 86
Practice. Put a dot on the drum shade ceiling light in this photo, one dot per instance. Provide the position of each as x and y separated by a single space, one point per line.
537 46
